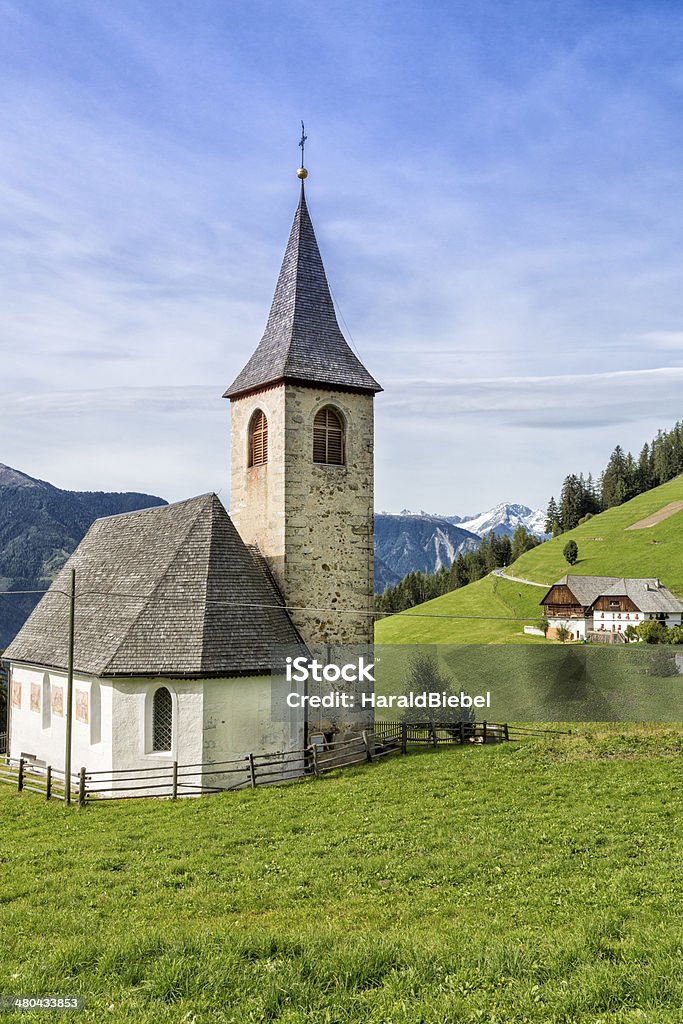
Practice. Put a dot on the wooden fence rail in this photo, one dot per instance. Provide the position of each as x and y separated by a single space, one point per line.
248 772
42 779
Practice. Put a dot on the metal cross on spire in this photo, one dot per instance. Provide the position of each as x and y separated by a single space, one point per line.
302 172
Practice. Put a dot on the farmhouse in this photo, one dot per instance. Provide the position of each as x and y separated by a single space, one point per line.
179 609
607 604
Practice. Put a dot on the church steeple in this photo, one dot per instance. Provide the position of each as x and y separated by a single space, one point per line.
302 453
302 341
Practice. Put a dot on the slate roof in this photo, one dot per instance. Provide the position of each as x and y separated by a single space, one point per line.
648 594
302 341
171 590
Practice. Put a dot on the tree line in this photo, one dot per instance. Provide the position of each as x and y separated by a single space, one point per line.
494 552
624 477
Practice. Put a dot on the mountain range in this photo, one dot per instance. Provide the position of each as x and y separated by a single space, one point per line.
418 541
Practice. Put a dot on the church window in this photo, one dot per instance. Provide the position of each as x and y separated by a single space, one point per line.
162 720
328 437
258 439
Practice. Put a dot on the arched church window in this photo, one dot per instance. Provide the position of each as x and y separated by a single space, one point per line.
258 439
328 437
162 720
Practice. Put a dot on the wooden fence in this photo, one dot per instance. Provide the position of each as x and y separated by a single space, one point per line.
436 733
248 772
45 780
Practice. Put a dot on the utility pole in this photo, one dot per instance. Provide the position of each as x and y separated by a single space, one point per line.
70 688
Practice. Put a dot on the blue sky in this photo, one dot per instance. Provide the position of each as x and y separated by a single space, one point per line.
497 193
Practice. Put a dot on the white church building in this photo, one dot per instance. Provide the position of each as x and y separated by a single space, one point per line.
179 608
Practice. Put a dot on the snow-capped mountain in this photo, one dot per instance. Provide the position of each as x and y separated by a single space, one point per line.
505 518
412 541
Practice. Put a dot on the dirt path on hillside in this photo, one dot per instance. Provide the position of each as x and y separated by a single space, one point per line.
516 579
657 517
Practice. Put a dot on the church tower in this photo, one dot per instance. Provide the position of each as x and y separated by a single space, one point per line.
302 453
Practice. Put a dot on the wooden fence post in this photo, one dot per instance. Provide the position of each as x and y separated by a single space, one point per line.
316 767
366 742
20 777
252 771
48 782
507 735
81 788
462 731
175 780
433 728
404 737
484 732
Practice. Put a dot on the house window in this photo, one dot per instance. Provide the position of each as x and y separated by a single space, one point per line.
258 439
328 437
162 720
614 604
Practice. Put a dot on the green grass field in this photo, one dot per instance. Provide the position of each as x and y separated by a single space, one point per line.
486 612
606 548
535 882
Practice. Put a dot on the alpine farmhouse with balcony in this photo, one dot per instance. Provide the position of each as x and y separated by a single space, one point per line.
602 607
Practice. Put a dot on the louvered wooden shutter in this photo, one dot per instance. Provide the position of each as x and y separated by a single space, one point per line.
328 438
258 440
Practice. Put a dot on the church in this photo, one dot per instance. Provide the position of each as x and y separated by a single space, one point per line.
179 609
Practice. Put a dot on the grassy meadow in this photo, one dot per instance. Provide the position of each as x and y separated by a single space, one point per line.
606 548
530 882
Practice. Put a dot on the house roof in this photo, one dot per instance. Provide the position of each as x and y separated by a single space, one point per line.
171 590
648 594
302 341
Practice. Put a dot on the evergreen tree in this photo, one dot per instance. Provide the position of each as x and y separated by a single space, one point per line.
553 523
615 479
571 552
522 541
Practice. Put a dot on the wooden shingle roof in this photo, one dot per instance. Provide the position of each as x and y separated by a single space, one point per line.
302 341
162 591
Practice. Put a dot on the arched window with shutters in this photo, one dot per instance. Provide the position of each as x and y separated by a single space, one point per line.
162 720
328 437
258 439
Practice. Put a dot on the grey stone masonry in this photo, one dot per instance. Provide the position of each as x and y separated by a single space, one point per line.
313 523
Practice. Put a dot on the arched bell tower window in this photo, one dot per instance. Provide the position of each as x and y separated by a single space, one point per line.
162 720
328 437
258 439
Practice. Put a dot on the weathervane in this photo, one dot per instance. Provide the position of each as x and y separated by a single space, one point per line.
302 172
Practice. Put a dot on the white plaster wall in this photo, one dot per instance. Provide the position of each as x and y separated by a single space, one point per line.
240 718
29 734
131 722
575 626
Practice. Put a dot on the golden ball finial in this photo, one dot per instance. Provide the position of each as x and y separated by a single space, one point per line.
302 173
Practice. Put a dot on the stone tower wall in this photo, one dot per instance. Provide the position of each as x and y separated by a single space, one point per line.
313 523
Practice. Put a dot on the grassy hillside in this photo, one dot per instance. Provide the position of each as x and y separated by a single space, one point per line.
484 612
606 548
532 883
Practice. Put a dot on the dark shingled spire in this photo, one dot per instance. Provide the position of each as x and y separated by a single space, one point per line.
302 341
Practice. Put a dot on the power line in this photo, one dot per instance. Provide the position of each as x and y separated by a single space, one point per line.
280 607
